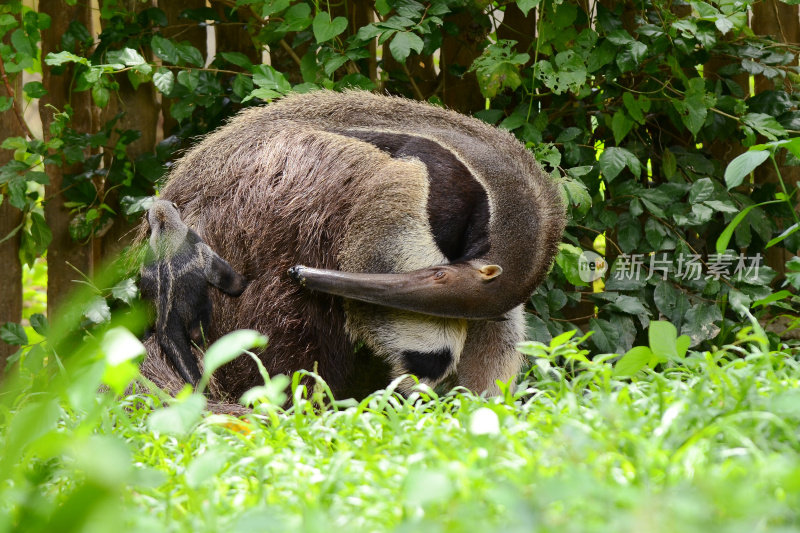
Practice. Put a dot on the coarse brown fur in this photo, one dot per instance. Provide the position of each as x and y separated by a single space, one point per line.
284 185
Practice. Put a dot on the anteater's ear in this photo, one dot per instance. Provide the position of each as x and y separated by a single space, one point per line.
220 274
489 272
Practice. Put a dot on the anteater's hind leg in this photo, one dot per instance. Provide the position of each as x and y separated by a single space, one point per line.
490 353
173 337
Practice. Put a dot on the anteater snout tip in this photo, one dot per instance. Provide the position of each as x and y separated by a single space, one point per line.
296 273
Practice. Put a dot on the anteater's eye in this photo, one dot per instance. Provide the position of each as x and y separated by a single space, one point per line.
439 275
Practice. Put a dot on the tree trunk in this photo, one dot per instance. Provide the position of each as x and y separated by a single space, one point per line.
63 251
10 218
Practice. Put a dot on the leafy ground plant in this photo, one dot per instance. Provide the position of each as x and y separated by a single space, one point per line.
693 441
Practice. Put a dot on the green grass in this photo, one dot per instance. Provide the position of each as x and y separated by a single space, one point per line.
709 442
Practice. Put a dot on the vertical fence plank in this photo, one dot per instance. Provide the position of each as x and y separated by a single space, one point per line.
195 35
781 22
63 250
10 218
140 112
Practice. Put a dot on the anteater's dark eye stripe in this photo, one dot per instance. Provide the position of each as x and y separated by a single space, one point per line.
458 207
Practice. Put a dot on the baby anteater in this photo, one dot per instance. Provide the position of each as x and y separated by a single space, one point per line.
175 277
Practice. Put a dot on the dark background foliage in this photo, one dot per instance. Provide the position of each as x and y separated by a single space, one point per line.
637 107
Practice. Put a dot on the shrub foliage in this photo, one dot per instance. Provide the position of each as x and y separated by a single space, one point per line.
637 107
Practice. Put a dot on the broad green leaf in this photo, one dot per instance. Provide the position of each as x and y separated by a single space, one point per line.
630 232
39 324
165 49
606 336
620 38
100 95
242 85
263 94
633 361
682 345
326 29
98 311
620 126
266 77
127 56
125 290
702 190
498 68
723 24
629 305
700 322
370 31
742 165
34 89
402 44
568 74
238 59
38 177
17 190
526 5
577 195
296 18
614 159
22 43
635 107
793 145
189 79
270 7
600 56
14 334
60 58
40 233
765 124
793 272
179 418
536 329
722 207
135 205
693 113
190 55
662 336
567 258
121 345
631 55
164 80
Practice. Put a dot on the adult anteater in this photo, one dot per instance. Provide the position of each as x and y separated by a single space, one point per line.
379 235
